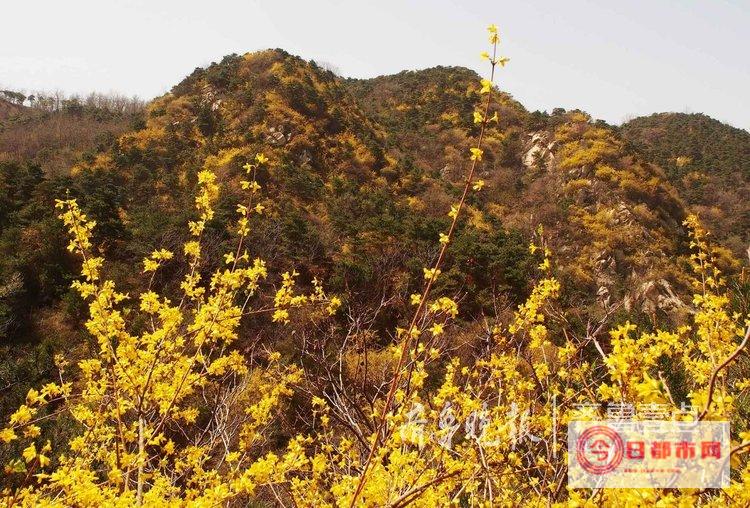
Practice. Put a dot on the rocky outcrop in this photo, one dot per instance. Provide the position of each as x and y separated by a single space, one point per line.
652 296
538 151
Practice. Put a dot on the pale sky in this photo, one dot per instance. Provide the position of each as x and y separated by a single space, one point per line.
614 59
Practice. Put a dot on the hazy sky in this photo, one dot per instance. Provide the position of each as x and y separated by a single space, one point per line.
614 59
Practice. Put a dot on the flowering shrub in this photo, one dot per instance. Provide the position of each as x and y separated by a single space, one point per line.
169 412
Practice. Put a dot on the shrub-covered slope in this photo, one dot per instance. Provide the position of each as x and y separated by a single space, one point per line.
362 174
708 162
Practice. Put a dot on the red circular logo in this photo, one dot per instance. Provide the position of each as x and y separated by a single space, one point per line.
599 450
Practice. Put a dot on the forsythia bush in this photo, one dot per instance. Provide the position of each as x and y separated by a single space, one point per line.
168 412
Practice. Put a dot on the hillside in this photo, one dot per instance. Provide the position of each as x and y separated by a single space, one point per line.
340 205
362 173
708 162
681 142
56 135
9 110
612 217
572 228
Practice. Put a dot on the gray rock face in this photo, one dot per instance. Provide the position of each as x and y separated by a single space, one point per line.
654 295
538 151
304 157
209 97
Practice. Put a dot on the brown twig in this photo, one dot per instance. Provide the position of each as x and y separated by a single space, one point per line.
717 370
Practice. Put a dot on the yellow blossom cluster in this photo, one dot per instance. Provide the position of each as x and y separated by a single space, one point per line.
143 386
168 411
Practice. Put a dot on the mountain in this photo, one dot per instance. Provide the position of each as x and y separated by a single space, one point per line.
361 176
362 172
345 202
707 161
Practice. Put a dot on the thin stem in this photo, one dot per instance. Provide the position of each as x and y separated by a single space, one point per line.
405 348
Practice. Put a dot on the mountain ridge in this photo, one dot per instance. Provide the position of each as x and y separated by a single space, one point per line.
356 192
403 134
361 176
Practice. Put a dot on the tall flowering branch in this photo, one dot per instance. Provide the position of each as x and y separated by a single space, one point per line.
411 334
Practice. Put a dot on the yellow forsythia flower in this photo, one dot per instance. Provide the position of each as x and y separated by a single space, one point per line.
486 86
431 273
494 37
29 453
7 435
333 305
149 265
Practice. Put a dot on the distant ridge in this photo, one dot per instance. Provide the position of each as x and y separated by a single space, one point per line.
9 110
707 161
